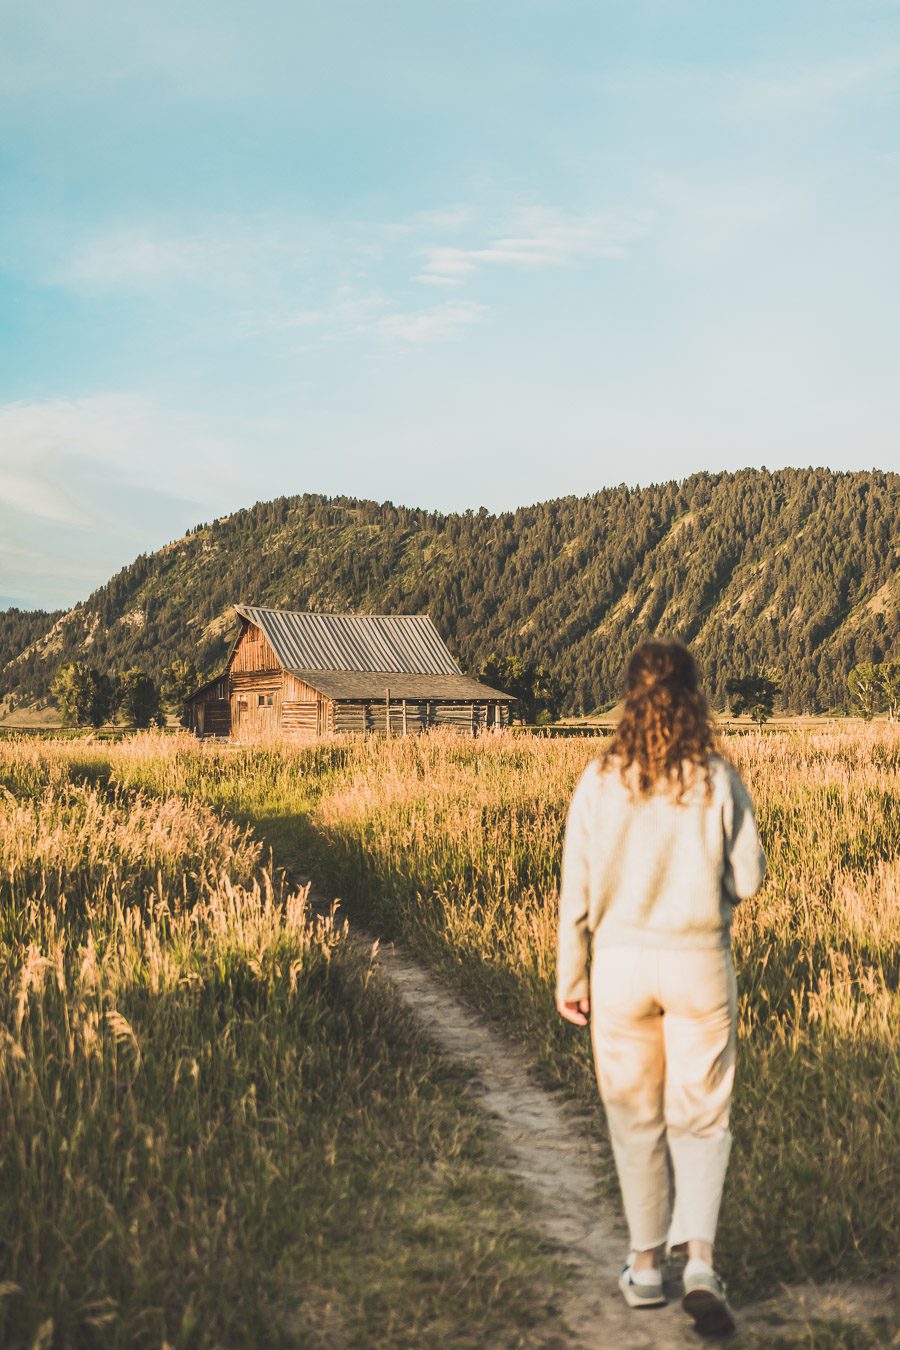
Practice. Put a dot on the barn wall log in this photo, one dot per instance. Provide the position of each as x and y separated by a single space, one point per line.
260 682
300 720
347 715
295 690
458 715
371 715
216 717
209 711
217 720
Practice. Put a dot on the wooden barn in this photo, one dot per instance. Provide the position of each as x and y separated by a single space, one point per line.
308 675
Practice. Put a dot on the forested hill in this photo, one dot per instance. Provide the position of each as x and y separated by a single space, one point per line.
794 572
19 628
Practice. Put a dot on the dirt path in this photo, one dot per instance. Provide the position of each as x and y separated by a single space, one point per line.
552 1151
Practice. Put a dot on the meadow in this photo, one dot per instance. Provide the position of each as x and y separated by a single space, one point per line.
218 1126
191 1059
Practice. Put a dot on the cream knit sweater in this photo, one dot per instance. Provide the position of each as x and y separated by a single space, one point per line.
652 872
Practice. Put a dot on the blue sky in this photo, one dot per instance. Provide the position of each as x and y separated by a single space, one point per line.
448 252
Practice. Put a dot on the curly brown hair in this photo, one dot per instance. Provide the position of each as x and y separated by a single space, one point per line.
665 725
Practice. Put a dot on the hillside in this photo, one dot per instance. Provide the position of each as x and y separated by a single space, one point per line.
19 628
794 570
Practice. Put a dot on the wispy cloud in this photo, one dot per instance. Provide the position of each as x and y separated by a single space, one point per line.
226 255
542 239
29 493
814 86
279 271
767 91
53 452
352 314
446 323
436 279
86 484
441 219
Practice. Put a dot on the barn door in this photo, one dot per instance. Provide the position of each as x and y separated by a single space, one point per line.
265 714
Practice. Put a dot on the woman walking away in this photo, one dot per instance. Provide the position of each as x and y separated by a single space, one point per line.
661 843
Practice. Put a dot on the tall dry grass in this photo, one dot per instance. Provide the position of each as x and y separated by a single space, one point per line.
455 847
216 1128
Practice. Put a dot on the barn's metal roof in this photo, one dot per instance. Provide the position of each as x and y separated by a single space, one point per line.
354 684
395 643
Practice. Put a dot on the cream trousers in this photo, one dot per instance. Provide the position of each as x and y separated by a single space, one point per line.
663 1031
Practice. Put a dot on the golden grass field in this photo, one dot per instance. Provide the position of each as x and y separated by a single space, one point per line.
217 1125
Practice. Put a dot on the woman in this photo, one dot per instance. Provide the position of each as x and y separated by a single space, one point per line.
661 843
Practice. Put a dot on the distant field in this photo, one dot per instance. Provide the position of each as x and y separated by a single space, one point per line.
38 720
725 722
454 845
32 719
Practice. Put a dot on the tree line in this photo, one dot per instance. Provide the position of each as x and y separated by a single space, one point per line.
786 574
873 688
88 697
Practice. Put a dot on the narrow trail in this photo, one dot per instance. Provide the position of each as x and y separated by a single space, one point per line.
551 1150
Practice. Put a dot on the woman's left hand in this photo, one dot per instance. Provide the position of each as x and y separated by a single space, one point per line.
575 1012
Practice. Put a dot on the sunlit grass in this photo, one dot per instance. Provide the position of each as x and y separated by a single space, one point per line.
217 1128
134 892
455 847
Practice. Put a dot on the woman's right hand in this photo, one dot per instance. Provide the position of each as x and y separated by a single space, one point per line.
575 1012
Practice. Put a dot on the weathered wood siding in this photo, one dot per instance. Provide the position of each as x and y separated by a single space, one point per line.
270 702
253 652
217 718
297 691
305 713
468 718
300 720
255 703
210 711
372 715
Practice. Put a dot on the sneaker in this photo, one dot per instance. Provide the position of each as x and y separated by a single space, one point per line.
643 1293
704 1300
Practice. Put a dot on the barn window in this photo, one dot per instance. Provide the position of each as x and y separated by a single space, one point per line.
264 700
